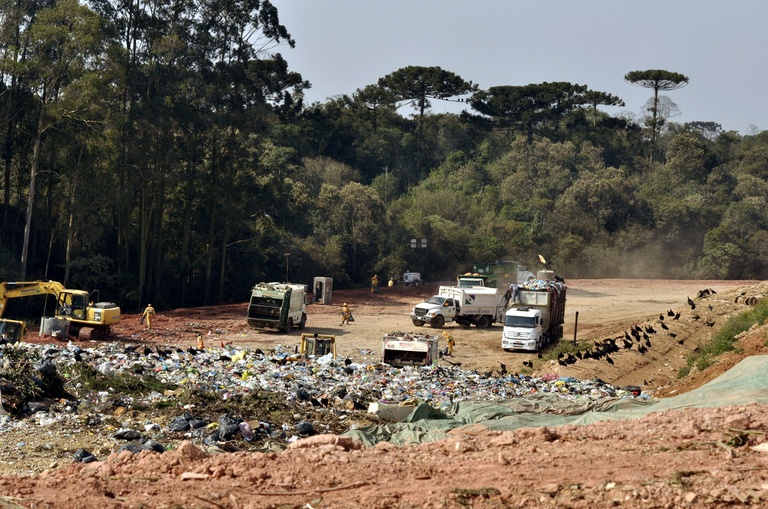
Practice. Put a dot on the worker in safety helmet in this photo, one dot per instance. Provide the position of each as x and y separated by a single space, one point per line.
148 315
345 314
450 342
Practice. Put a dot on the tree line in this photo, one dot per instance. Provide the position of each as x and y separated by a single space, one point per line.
163 151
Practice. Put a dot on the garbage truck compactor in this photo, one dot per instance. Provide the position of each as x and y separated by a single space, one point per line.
535 317
278 306
86 319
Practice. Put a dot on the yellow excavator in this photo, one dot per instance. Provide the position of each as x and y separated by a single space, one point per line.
11 331
86 319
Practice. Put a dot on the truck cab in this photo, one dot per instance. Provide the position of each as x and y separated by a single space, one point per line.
523 329
436 311
471 281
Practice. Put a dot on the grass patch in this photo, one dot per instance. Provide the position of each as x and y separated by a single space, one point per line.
725 339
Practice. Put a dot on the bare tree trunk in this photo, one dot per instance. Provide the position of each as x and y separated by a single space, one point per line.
31 199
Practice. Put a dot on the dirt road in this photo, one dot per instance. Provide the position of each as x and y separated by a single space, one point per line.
604 308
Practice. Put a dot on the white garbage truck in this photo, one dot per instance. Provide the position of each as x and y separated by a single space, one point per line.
535 317
466 306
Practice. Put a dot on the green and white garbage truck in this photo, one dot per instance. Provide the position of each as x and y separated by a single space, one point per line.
280 306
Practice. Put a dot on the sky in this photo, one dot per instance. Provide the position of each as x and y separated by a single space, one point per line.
345 45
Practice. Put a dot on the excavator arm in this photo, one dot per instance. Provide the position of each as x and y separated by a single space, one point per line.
15 289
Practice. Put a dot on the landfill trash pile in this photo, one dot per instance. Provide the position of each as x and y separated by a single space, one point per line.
72 441
333 391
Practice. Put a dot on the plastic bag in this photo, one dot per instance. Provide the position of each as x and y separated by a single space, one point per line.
351 318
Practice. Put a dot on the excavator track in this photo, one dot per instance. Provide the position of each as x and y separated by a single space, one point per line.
91 333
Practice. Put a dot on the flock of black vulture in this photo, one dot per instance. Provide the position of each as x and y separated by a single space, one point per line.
638 337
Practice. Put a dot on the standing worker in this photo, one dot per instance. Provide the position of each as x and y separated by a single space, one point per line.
450 342
375 284
149 315
345 314
391 282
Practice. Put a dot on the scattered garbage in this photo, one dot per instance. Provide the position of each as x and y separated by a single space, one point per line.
83 456
320 386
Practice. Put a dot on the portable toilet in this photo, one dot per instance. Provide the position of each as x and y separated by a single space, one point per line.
323 287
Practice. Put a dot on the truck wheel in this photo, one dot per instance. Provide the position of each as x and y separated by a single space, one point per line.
288 325
418 323
484 322
437 322
303 321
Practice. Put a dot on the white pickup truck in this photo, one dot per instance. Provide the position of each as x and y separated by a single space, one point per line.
466 306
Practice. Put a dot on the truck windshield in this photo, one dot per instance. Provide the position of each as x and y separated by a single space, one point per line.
436 299
520 321
470 283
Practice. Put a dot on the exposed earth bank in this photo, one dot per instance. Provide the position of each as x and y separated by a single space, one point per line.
691 458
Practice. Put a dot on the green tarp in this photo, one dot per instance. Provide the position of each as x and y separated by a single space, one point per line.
746 383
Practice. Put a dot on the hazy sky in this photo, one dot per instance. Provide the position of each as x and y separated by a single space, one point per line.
344 45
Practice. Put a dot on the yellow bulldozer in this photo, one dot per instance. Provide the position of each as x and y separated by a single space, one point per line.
85 318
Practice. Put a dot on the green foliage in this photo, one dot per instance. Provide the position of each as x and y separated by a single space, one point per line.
18 369
90 379
725 339
186 168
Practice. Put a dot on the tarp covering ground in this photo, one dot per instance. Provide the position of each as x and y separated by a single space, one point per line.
747 382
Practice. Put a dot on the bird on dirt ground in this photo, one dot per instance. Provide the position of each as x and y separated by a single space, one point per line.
670 313
609 360
672 335
628 344
680 341
642 349
664 326
661 317
677 316
691 303
503 370
650 330
528 364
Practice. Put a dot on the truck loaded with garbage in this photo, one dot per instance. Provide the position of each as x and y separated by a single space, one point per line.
535 316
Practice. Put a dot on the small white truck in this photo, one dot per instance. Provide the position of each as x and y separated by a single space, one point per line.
535 317
412 278
466 306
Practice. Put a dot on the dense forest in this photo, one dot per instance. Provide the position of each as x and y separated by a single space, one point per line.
162 151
